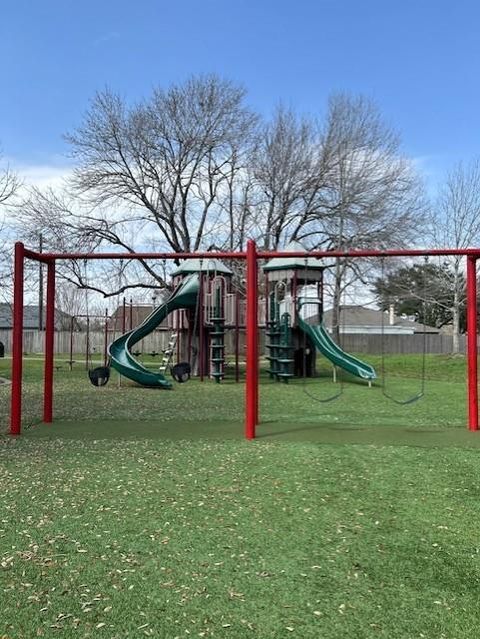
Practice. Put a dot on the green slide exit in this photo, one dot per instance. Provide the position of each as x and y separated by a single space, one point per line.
324 343
184 296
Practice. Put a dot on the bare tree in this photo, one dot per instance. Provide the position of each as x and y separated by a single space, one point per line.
288 173
191 168
148 177
372 197
70 299
10 184
457 225
166 158
68 224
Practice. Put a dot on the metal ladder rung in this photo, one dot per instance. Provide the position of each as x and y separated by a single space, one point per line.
168 352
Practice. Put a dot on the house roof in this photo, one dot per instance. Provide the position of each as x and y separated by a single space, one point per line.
293 263
197 265
139 312
30 317
367 317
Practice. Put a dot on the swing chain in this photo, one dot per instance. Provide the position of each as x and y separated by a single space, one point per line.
413 398
304 355
99 375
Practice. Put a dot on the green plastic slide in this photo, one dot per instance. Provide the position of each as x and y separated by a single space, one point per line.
121 358
324 343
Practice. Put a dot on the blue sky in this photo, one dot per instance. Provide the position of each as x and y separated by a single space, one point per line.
418 59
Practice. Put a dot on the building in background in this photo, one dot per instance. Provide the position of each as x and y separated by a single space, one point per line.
367 321
31 318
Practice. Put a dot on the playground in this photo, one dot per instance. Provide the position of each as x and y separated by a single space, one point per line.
137 511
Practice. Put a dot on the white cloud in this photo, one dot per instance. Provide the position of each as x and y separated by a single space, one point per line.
43 175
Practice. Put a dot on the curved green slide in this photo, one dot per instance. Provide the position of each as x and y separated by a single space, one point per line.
324 343
121 358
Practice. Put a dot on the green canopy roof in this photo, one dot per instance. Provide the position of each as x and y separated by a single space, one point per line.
293 263
197 265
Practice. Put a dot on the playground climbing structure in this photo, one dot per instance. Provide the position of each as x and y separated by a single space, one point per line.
295 329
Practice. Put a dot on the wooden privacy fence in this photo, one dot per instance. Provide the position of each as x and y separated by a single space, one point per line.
33 342
401 344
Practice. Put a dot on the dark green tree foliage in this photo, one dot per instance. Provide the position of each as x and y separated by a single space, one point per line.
423 291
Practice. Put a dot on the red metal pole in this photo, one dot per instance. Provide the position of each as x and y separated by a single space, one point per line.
251 386
17 341
257 419
233 255
49 343
131 314
205 255
124 316
472 343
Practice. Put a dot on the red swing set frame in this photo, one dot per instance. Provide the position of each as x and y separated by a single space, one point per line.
251 257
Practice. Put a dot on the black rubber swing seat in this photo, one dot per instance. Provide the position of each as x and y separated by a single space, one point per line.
99 376
181 372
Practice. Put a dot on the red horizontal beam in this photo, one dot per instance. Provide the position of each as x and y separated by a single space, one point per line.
136 256
474 252
33 255
241 255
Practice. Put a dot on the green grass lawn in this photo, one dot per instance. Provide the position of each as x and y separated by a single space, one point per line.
144 513
298 403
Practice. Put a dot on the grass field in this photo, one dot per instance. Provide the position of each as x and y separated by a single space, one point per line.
144 513
294 404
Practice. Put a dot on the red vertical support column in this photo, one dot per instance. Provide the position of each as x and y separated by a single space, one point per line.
472 343
251 386
17 342
257 419
49 343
